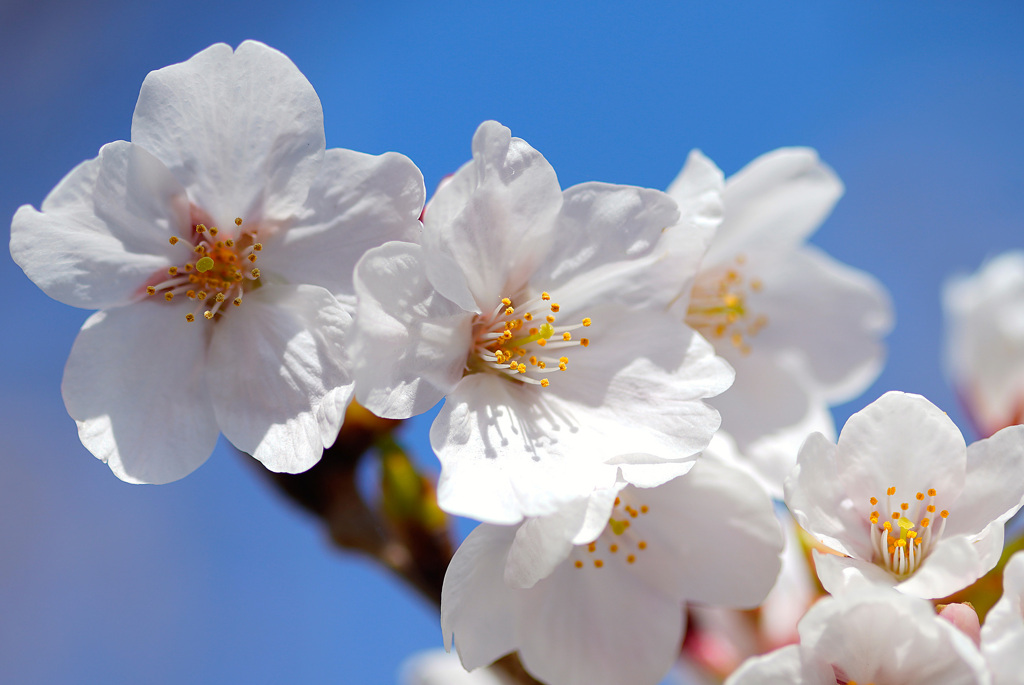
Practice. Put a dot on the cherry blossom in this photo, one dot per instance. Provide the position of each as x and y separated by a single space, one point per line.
902 501
1002 636
216 246
594 604
801 329
875 635
523 308
985 341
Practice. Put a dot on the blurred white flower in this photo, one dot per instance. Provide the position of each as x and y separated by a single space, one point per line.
985 342
802 330
593 604
872 636
1002 636
903 501
214 244
523 309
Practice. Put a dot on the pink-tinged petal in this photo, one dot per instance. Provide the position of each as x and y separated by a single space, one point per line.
103 232
964 618
994 487
507 452
817 501
843 575
494 219
477 607
774 202
411 342
828 316
135 384
737 564
1002 636
601 225
272 362
242 130
598 626
903 441
358 202
783 666
953 564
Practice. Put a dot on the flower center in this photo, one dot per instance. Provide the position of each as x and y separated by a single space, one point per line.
215 271
617 540
522 341
719 308
904 535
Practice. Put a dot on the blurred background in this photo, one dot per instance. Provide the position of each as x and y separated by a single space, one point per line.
217 578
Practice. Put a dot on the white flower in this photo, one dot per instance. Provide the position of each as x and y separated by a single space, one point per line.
903 502
985 342
214 244
609 609
1002 636
801 329
524 310
872 636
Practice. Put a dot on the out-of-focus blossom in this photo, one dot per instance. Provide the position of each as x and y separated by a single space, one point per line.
214 244
903 501
872 636
524 310
802 330
985 342
437 667
608 607
1002 636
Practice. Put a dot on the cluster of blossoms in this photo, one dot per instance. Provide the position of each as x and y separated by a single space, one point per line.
628 376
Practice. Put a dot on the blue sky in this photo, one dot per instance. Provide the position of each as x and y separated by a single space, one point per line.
217 579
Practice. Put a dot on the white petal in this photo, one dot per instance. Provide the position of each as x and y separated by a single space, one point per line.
712 537
827 315
817 501
1002 636
103 231
477 608
994 487
602 224
903 441
543 542
273 360
411 342
135 384
242 130
774 202
844 575
493 219
953 564
783 666
598 626
358 202
435 667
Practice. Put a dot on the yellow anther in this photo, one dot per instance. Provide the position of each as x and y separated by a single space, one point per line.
584 341
213 231
901 543
150 290
229 242
630 559
586 322
190 318
873 501
555 307
545 297
509 311
200 228
255 273
891 491
173 240
251 258
567 336
591 547
613 548
208 314
618 501
168 296
562 366
756 285
895 515
238 221
550 319
528 316
644 509
641 545
237 302
513 365
544 382
522 368
919 496
911 534
220 297
943 513
931 492
598 563
887 525
925 522
904 506
737 339
578 564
